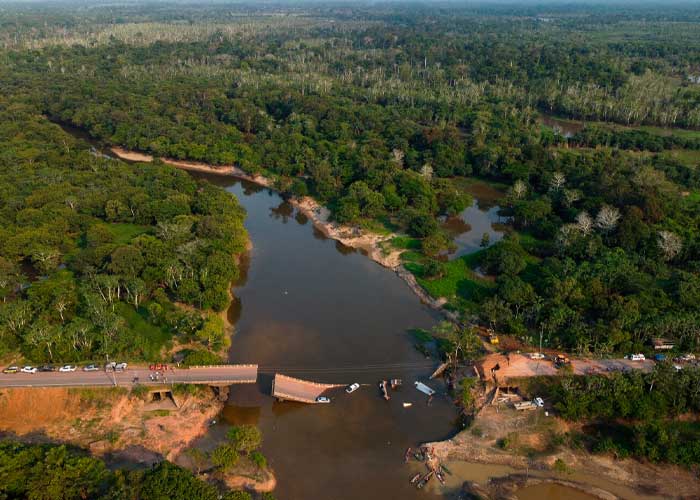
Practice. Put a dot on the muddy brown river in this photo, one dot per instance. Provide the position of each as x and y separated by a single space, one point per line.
310 308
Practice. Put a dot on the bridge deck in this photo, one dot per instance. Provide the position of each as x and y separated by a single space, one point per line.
204 375
294 389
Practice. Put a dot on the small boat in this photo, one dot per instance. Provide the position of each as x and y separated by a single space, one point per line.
407 405
440 477
407 455
415 478
385 391
425 479
395 383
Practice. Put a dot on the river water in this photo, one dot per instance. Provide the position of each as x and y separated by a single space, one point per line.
468 228
310 308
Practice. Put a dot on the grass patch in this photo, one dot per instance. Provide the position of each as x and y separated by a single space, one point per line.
406 243
158 413
151 338
124 233
689 157
459 282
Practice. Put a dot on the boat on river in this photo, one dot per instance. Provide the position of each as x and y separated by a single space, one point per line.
425 479
384 389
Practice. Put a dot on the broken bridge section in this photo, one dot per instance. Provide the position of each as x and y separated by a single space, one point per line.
301 391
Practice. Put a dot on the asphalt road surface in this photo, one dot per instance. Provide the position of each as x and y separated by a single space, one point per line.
225 374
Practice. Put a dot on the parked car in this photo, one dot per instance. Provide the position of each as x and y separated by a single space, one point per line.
637 357
352 388
688 357
29 369
120 367
539 402
323 399
67 368
47 368
11 369
536 355
91 368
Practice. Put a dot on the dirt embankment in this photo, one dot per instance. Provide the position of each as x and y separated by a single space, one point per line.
108 420
530 440
375 246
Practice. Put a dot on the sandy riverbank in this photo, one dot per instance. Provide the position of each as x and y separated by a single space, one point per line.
530 439
376 246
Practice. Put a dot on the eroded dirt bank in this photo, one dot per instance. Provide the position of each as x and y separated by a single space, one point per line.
108 420
120 427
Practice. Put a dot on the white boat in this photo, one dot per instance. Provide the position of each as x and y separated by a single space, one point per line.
424 388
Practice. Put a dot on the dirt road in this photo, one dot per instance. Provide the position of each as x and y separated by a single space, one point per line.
517 365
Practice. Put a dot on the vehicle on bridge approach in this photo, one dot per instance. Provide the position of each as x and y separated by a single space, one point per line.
29 369
91 368
11 369
67 368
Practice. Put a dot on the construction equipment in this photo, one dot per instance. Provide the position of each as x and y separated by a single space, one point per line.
561 360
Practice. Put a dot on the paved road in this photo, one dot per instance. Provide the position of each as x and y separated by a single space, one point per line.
224 374
295 389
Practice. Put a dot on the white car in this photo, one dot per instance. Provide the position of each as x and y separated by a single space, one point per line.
352 388
91 368
637 357
29 369
323 399
536 355
120 367
67 368
539 402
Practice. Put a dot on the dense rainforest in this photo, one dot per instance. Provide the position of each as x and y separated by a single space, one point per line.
95 253
381 114
633 413
49 472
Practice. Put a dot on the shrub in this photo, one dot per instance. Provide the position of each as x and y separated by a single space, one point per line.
259 459
245 437
225 456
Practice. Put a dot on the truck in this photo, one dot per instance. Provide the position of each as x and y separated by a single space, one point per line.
525 405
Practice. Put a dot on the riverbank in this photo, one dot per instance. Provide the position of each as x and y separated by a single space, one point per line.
119 426
109 421
375 246
533 443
